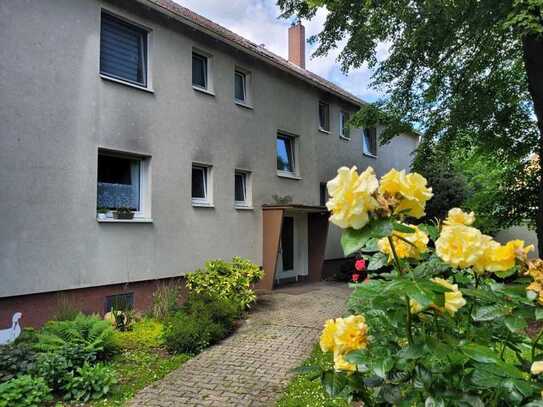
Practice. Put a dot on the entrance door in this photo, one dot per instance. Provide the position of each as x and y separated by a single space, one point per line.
292 256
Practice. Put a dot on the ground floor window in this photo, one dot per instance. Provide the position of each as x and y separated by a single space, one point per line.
242 189
122 184
201 181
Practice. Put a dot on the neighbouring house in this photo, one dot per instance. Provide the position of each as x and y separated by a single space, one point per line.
216 145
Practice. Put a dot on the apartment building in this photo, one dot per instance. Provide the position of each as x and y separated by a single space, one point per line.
212 146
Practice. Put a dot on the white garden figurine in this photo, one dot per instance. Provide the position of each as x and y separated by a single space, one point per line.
9 335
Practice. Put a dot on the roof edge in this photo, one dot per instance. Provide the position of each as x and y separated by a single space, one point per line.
153 4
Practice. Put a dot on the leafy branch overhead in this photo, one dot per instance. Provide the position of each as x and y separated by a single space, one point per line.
467 74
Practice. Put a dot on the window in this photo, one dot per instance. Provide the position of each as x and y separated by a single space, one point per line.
201 185
344 130
200 71
119 182
240 86
123 50
241 189
120 302
369 142
285 154
324 116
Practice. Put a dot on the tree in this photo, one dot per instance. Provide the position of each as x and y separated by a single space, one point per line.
469 71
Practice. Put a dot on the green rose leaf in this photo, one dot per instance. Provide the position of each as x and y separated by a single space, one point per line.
515 323
333 383
480 353
377 261
400 227
352 240
539 313
489 312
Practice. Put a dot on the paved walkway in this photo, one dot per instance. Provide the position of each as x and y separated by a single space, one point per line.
251 367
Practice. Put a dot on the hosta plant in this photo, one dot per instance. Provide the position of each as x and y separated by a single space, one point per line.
455 319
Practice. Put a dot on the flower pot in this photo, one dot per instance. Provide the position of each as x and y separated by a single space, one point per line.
123 215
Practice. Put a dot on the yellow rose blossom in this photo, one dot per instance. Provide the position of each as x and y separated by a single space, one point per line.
418 240
341 365
461 246
503 257
536 368
351 197
327 341
411 188
457 216
351 333
535 270
453 299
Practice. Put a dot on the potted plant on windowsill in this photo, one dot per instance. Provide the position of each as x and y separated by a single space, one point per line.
101 213
123 213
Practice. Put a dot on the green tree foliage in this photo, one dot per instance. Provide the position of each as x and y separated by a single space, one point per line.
469 71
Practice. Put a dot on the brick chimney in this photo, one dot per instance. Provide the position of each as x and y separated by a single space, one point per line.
296 44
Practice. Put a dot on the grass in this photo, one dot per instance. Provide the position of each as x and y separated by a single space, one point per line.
141 361
303 391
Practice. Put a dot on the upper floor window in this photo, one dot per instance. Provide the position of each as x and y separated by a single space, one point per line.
240 86
200 71
201 185
369 142
285 154
324 116
123 50
344 130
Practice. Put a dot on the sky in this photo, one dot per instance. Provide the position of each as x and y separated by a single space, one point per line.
258 21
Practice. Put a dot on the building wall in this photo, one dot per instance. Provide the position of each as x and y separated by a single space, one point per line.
56 112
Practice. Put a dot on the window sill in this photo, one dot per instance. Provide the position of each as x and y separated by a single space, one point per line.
135 220
203 205
203 90
370 155
289 175
344 138
324 131
244 208
243 104
132 85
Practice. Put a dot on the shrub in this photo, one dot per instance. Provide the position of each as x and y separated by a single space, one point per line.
221 311
165 300
54 366
16 359
88 332
225 280
146 333
88 383
24 391
191 333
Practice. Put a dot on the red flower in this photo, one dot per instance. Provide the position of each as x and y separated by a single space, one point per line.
356 277
360 265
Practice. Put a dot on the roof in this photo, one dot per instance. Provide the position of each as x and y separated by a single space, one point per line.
190 18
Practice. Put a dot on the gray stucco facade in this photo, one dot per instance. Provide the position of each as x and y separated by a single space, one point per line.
56 112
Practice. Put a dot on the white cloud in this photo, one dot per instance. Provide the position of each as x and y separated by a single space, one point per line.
258 21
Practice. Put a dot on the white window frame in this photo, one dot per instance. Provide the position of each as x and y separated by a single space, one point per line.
327 131
248 202
207 200
144 213
295 174
342 115
248 85
209 88
365 150
148 65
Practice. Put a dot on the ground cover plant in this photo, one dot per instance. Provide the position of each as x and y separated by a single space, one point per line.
457 319
86 359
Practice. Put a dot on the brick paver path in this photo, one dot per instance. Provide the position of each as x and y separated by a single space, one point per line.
251 367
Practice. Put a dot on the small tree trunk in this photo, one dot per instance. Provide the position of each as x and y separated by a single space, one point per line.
533 59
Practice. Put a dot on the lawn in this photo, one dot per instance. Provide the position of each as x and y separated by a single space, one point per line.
305 390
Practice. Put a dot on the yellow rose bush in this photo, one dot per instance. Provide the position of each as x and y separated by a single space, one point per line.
448 316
